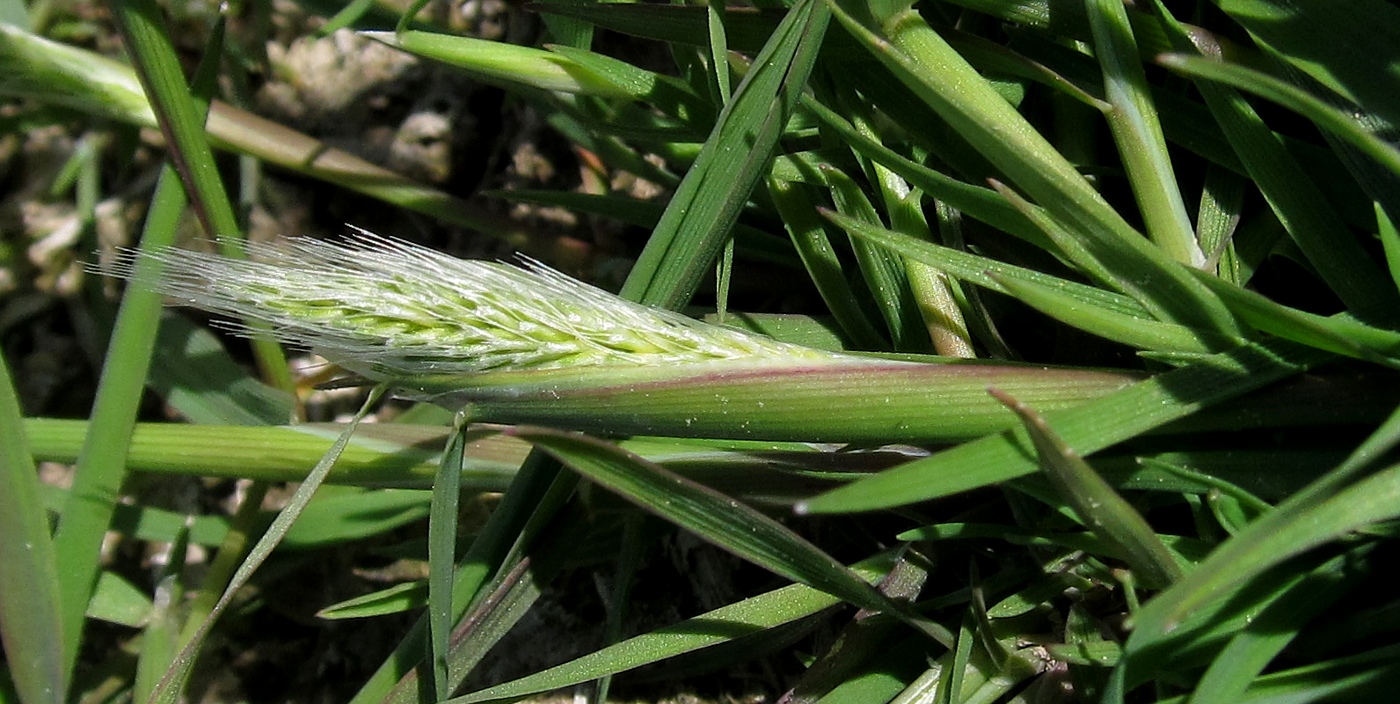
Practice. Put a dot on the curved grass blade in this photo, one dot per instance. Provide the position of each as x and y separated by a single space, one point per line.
1095 502
1349 47
943 79
719 520
989 273
822 263
723 625
1311 221
31 625
1318 111
1247 654
170 686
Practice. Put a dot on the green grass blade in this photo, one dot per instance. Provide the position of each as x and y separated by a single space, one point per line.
196 376
1349 47
989 273
1095 502
1341 334
977 202
697 222
101 464
1310 219
744 618
1132 118
1323 511
1088 428
923 61
1247 654
181 119
1319 111
30 615
1130 330
719 519
173 682
882 269
822 264
442 552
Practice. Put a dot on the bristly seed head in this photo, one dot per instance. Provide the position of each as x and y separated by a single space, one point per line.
388 309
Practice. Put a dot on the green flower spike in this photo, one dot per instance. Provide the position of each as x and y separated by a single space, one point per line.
531 345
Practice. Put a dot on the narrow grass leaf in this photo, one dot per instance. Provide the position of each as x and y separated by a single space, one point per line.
1349 47
714 517
160 638
1089 427
1327 509
882 269
101 463
1106 513
31 617
397 599
170 686
1251 650
501 62
822 263
1311 221
990 273
442 552
1341 333
1132 118
977 202
1321 113
943 79
1390 241
1130 330
735 157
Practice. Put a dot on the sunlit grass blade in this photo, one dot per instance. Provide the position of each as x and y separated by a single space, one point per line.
1311 221
1318 111
1088 427
718 519
1095 502
101 464
1128 329
1341 334
181 115
173 682
734 159
989 273
921 59
30 612
500 62
1132 118
442 552
1249 652
1349 47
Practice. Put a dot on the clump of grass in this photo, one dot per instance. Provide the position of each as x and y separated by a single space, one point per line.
938 173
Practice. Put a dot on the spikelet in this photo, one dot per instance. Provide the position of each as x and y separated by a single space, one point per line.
388 309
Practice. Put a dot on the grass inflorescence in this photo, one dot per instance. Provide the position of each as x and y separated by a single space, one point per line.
391 310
